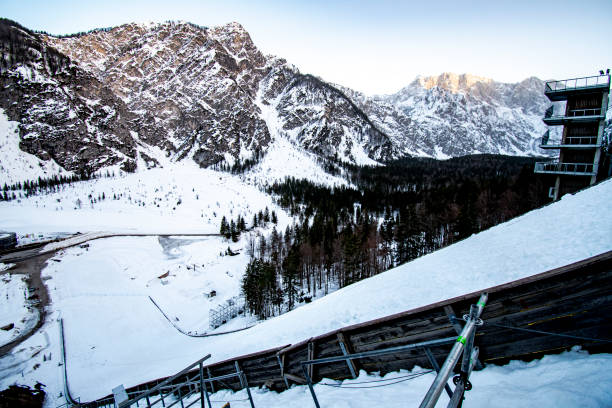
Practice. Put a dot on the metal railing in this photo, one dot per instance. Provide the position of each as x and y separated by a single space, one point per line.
574 113
193 384
584 112
462 345
569 141
577 83
580 140
226 311
585 169
347 357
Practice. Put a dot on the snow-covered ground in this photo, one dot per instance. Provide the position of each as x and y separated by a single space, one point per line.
114 335
571 379
16 309
179 198
176 272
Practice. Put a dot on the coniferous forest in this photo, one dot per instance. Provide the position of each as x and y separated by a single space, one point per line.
390 215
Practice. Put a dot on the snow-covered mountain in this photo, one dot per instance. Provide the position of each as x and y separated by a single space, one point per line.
125 96
452 115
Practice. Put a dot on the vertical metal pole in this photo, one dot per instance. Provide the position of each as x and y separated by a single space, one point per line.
238 372
436 367
467 352
207 397
202 385
309 380
180 397
457 397
448 309
430 399
244 380
212 385
148 402
282 370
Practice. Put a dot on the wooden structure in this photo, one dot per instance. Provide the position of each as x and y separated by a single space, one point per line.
522 320
581 161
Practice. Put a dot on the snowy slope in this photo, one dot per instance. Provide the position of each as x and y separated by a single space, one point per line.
179 198
16 308
139 345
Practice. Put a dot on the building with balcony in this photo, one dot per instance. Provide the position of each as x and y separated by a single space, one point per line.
580 140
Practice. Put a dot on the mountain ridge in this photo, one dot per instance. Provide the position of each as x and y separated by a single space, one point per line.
196 93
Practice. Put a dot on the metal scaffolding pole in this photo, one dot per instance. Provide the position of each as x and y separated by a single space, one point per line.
463 384
430 399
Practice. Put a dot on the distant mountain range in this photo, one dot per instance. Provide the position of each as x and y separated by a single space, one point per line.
121 97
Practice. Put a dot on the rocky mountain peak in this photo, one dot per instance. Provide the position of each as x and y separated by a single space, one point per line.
122 96
451 82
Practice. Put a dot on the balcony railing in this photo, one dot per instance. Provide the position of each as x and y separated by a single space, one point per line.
580 169
578 83
569 141
584 112
587 115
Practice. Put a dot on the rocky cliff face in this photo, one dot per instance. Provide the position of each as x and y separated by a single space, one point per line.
192 88
64 113
120 96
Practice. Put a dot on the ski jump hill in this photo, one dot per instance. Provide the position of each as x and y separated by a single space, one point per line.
548 275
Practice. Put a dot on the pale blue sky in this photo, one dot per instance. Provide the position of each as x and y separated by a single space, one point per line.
376 46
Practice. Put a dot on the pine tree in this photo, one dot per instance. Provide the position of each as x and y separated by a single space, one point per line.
224 230
233 232
291 265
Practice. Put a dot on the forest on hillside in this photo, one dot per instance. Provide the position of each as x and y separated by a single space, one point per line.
393 214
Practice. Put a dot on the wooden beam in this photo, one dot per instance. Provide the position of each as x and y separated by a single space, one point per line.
295 378
311 354
450 313
346 350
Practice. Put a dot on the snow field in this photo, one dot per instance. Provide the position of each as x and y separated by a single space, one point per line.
15 307
111 326
571 379
179 198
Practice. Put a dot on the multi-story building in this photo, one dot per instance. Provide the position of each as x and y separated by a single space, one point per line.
580 141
